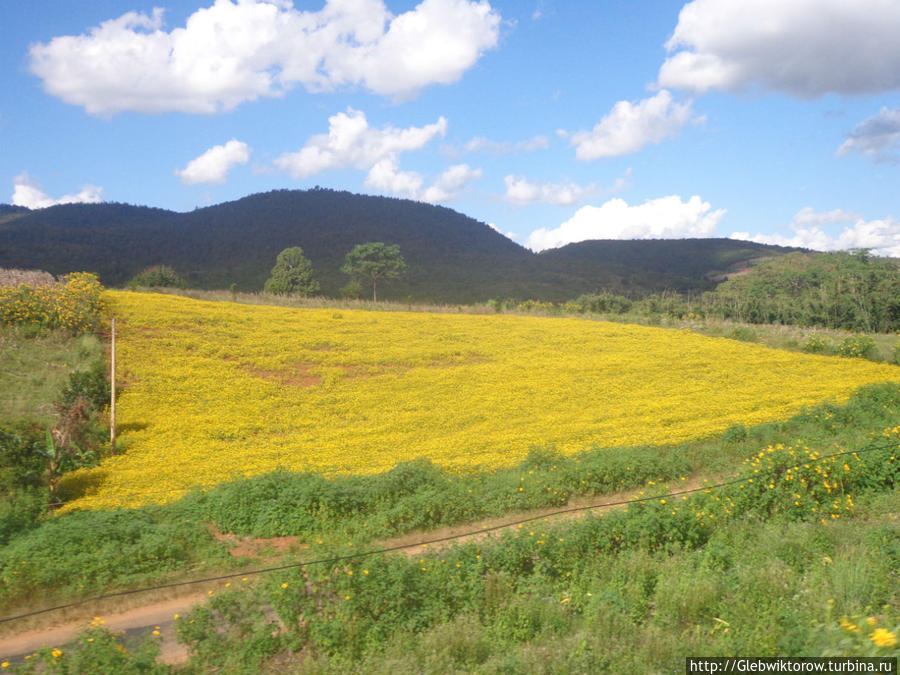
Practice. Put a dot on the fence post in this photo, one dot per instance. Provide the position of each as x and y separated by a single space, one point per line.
112 389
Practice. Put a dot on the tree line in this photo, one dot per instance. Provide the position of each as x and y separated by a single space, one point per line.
846 290
369 262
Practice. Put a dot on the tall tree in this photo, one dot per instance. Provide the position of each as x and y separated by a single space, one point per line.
292 274
373 261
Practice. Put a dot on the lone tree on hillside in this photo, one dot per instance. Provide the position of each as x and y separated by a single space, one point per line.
292 274
373 261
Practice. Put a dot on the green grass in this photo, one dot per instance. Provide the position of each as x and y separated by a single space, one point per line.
35 368
634 591
738 570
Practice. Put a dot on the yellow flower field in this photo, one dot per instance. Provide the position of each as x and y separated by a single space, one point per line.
216 390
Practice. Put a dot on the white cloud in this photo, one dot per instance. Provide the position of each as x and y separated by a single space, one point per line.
663 218
482 144
630 126
213 165
876 137
350 142
809 217
27 192
385 176
508 235
804 48
521 191
449 184
240 50
881 236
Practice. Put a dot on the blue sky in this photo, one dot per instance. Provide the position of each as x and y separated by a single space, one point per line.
553 121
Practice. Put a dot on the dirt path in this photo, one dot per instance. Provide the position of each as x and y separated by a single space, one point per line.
145 612
155 615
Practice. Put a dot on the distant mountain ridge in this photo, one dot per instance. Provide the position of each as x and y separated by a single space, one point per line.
451 257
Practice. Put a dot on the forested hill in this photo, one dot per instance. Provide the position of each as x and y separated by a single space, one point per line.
452 258
635 266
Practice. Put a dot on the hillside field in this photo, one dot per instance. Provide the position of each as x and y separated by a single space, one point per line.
213 391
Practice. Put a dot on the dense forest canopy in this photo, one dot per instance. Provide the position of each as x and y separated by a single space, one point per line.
451 257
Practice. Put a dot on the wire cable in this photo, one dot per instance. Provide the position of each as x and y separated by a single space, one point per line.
428 542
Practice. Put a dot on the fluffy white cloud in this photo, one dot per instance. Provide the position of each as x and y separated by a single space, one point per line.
385 176
27 192
521 191
803 48
482 144
630 126
450 183
876 137
663 218
350 142
881 236
239 50
213 165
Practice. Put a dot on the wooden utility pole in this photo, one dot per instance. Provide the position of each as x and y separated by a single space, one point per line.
112 389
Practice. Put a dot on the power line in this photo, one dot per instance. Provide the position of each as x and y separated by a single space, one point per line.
400 547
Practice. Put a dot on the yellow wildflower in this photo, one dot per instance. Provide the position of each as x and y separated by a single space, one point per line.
883 637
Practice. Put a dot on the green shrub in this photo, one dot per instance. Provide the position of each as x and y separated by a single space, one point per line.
736 433
20 462
857 346
90 385
157 276
85 553
75 305
21 509
352 290
602 303
97 650
817 344
744 334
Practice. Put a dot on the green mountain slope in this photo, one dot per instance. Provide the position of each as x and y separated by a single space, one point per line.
452 258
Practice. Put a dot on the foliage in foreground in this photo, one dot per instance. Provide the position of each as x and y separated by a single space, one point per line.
75 305
799 557
59 426
676 574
